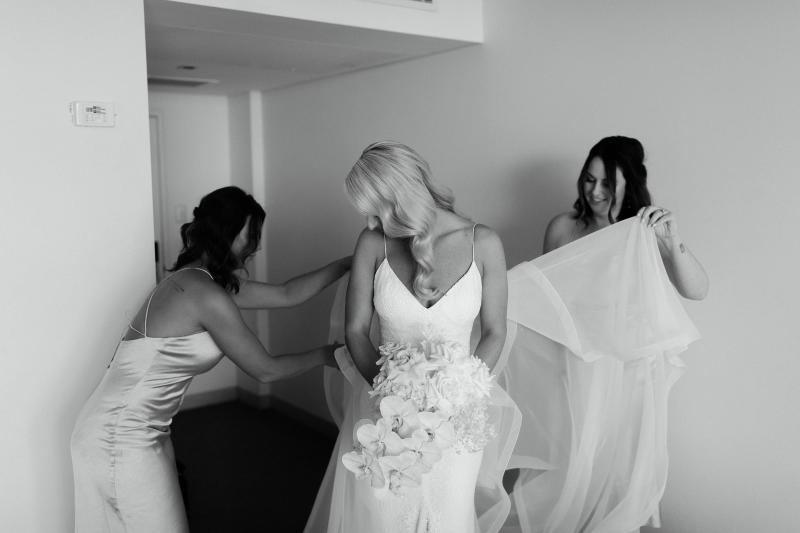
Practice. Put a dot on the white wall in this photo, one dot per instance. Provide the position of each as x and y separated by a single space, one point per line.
195 160
75 232
711 90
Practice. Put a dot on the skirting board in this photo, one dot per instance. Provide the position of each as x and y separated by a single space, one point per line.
301 416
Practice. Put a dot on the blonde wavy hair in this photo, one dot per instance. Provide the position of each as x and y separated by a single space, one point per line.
392 183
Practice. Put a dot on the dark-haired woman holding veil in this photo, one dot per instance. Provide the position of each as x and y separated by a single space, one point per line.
596 328
612 186
123 461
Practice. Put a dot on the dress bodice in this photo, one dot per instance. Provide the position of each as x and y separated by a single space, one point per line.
144 386
404 319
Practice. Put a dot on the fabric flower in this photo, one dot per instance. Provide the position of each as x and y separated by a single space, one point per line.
402 471
439 430
365 466
428 452
401 415
379 439
429 396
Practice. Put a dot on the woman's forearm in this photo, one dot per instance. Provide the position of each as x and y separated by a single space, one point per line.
363 354
307 285
490 347
291 364
684 270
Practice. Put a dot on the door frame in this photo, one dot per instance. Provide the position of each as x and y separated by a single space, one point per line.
159 191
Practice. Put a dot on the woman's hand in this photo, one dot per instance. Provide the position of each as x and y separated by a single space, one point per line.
330 349
684 270
662 221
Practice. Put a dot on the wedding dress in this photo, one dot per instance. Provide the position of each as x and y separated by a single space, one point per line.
463 493
594 333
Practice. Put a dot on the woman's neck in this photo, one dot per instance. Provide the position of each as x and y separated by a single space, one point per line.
445 222
197 263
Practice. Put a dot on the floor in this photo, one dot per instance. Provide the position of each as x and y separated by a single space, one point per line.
248 470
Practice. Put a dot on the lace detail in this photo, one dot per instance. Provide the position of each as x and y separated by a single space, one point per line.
404 319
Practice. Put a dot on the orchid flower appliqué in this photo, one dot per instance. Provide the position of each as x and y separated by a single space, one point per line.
401 415
440 431
379 439
427 451
402 471
365 466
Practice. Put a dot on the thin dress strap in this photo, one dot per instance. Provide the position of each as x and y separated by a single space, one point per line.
201 269
385 250
473 241
153 293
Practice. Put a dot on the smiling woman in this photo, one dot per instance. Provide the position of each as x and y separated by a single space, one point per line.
612 186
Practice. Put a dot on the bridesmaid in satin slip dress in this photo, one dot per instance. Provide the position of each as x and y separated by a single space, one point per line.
123 462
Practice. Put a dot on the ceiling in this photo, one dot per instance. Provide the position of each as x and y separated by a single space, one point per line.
240 51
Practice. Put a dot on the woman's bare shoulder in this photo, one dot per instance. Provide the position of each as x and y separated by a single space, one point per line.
559 231
370 247
488 245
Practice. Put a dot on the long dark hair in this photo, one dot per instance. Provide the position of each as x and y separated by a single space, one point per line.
627 154
218 219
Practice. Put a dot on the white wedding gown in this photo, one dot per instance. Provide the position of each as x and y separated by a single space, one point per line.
595 330
463 493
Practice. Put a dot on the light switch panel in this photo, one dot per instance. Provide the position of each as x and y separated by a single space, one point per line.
98 114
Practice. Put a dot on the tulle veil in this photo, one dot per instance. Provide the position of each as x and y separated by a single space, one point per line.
595 333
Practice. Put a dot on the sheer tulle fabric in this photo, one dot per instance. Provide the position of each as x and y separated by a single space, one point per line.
595 329
338 508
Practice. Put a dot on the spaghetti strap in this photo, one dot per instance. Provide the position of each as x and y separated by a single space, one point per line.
201 269
153 292
147 309
473 241
385 250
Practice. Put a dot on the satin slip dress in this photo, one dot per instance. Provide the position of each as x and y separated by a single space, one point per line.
123 461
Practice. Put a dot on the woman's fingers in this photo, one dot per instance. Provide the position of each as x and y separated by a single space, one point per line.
653 215
661 216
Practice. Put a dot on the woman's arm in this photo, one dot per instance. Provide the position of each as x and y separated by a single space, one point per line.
684 270
218 314
359 308
491 256
259 295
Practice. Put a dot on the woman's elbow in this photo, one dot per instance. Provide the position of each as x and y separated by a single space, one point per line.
267 377
497 330
697 294
696 291
269 371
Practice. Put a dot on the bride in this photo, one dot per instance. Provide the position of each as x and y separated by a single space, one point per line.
422 269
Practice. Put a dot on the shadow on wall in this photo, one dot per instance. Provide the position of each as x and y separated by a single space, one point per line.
540 189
